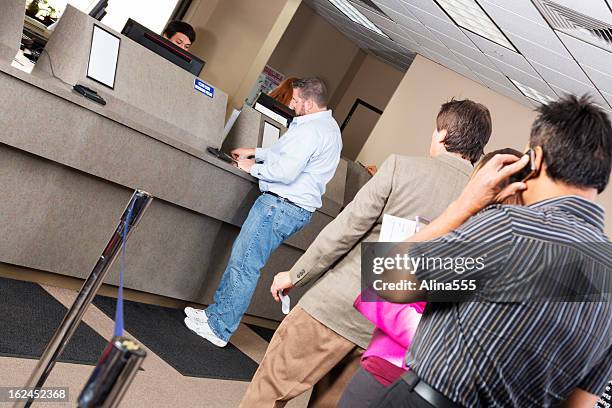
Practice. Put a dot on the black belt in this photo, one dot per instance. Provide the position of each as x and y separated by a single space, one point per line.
427 392
282 198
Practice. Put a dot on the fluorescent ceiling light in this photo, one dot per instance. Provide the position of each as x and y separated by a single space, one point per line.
355 15
532 93
469 15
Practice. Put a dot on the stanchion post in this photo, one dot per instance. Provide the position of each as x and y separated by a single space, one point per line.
139 202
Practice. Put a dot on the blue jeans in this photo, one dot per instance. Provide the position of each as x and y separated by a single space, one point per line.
271 221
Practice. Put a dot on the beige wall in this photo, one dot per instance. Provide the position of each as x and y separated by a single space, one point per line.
408 121
236 38
375 82
312 47
199 12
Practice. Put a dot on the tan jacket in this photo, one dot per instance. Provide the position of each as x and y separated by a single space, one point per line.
405 187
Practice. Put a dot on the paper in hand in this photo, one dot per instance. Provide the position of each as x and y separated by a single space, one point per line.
396 229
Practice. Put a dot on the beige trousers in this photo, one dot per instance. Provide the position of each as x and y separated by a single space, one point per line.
302 353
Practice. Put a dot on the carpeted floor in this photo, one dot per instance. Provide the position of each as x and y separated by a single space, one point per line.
162 330
30 316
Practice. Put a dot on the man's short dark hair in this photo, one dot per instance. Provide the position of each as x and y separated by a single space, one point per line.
312 88
468 127
576 140
178 26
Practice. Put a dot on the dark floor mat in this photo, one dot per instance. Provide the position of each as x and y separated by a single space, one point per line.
29 316
263 332
163 331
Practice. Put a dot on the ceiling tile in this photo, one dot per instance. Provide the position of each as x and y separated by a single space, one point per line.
481 69
608 97
522 9
596 61
428 41
564 64
428 6
595 95
466 48
506 91
512 23
398 13
548 61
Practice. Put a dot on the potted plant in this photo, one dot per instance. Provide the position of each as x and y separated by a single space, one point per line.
50 16
33 8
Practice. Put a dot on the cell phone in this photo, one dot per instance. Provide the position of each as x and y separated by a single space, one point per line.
526 172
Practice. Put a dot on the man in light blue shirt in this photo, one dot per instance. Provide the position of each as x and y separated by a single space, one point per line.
292 175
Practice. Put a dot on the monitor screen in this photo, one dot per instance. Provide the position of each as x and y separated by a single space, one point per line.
162 47
103 56
273 109
271 114
271 134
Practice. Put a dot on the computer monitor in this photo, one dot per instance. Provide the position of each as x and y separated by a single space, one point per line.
103 55
270 134
161 46
273 109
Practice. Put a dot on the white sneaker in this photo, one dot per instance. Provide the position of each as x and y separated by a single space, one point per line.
203 330
196 314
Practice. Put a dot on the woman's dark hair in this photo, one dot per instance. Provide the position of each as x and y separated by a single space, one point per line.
514 199
576 140
485 159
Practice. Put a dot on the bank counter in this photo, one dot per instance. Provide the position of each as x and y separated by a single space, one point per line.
69 166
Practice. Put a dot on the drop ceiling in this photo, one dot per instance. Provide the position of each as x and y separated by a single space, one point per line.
553 47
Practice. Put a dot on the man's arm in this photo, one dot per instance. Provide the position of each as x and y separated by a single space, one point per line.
261 154
341 235
289 163
482 190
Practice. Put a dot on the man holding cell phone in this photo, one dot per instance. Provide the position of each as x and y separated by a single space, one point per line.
539 336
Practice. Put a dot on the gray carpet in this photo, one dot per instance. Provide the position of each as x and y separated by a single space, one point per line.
29 316
162 330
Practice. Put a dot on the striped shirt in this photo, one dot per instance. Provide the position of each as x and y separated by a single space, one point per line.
518 354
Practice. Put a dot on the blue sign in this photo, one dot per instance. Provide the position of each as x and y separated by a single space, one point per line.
203 87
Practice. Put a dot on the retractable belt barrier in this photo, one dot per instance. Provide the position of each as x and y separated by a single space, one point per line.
122 357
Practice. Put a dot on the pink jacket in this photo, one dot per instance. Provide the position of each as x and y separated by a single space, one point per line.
395 327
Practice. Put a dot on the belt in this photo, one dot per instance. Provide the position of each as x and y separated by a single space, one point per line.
427 392
282 198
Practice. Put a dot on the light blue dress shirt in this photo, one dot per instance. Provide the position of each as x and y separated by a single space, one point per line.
300 164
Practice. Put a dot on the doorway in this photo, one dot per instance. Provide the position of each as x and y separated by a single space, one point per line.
357 127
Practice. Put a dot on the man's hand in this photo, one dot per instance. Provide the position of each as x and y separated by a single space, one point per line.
484 188
281 282
242 153
245 164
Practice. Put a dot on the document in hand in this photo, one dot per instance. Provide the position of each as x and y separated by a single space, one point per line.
396 229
